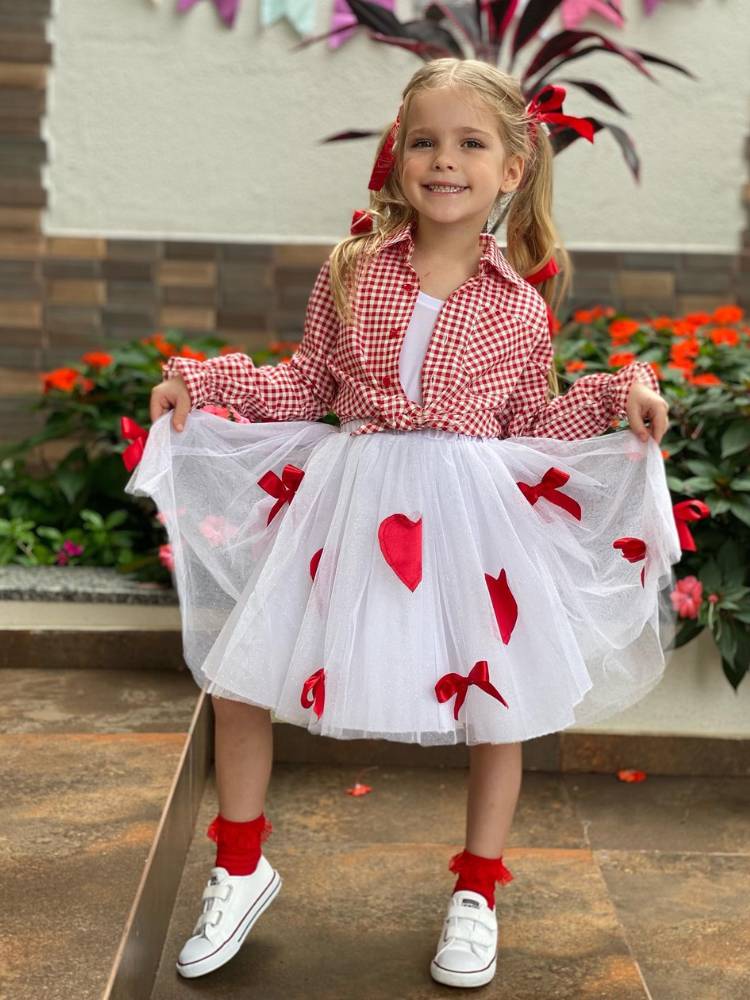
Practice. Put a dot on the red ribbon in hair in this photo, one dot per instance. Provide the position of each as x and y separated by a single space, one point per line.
385 160
314 692
547 487
137 436
450 684
361 222
284 488
684 511
549 270
546 106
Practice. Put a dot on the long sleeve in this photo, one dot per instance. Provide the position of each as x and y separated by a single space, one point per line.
585 410
299 389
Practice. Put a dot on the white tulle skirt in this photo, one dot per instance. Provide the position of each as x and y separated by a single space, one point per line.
420 586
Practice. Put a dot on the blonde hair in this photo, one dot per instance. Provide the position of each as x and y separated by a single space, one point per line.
532 238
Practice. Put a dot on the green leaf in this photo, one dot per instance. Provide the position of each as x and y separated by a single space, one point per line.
697 484
740 511
700 467
689 630
735 438
710 576
741 483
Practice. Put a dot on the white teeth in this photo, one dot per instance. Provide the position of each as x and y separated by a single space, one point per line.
443 187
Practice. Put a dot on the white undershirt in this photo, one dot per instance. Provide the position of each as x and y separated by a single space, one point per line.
415 344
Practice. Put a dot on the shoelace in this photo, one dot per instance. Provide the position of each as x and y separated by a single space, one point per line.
213 891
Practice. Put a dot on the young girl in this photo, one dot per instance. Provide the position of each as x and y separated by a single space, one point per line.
464 559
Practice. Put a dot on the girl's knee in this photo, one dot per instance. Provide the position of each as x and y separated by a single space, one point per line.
231 708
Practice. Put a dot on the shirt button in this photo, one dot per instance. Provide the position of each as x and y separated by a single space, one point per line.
408 287
386 381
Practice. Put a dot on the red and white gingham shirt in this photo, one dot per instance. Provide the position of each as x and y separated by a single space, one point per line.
484 373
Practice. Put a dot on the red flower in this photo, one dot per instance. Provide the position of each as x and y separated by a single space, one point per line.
705 378
188 352
575 366
623 358
97 359
724 335
623 328
728 314
66 380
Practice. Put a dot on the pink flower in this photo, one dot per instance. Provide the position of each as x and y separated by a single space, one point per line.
68 551
686 597
219 411
713 598
165 556
161 518
216 529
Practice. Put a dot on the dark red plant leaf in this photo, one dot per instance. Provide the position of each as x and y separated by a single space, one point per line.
562 137
349 134
562 43
499 15
311 39
650 57
460 17
424 49
646 56
375 17
536 13
597 92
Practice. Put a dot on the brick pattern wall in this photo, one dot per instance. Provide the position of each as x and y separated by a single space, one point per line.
62 296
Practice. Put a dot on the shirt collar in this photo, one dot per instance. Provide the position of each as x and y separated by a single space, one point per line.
491 254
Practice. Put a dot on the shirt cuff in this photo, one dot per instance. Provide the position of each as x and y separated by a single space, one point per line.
193 375
620 385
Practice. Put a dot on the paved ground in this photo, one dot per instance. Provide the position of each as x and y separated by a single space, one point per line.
86 760
621 891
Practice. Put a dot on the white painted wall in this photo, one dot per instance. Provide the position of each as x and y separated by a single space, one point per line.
173 126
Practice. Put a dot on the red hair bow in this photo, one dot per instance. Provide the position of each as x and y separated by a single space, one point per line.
546 106
284 488
361 222
450 684
385 160
314 692
684 511
548 271
137 436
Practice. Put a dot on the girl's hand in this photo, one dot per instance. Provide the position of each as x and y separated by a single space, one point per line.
171 393
645 404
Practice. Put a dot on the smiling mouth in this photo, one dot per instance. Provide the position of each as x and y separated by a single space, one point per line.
445 188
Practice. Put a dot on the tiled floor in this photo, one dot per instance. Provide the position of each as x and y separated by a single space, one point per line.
86 760
621 890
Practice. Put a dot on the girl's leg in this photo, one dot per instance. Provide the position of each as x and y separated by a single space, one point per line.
243 749
495 771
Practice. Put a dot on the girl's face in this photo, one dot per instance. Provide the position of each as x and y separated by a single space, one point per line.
453 140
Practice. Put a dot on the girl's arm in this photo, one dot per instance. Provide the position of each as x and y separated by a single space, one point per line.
585 410
299 389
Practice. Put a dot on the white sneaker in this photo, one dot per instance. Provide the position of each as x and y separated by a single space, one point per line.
231 905
467 950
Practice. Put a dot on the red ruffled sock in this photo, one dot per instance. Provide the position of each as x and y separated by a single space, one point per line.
239 843
479 874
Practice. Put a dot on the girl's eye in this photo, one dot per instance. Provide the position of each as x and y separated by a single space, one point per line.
478 145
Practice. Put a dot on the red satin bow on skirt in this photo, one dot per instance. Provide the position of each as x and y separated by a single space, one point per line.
547 487
137 436
450 684
314 692
284 488
688 510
